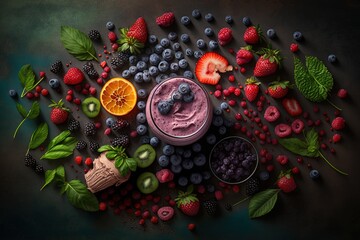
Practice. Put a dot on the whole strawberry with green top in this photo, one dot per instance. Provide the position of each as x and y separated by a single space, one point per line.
252 35
279 89
251 89
134 38
187 202
268 63
286 182
59 113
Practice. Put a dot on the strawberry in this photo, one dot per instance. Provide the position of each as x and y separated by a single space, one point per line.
74 76
268 63
134 38
59 114
251 89
244 55
252 35
292 106
208 66
286 182
187 202
278 89
165 20
225 36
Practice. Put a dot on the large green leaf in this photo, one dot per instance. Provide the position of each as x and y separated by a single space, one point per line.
59 138
26 76
262 202
39 135
80 197
296 146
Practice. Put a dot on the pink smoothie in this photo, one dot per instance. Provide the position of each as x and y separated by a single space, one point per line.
186 122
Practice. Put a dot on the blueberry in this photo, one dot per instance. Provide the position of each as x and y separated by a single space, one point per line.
172 36
196 178
185 20
211 139
110 26
168 149
188 97
246 21
187 164
174 67
187 153
159 49
200 43
161 77
145 58
179 55
165 42
264 175
271 33
109 121
188 74
196 14
141 129
138 77
145 139
209 17
206 175
183 181
189 52
176 46
13 93
54 83
179 150
141 105
141 118
164 107
229 19
163 161
222 130
228 123
332 58
213 45
314 174
210 188
163 66
198 54
172 75
176 96
298 36
133 60
218 111
153 71
168 55
196 147
217 121
133 70
209 32
184 88
224 106
153 39
185 38
146 76
175 159
154 141
176 168
141 65
200 160
183 64
154 59
125 73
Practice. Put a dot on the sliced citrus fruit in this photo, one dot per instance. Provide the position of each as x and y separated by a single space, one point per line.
118 96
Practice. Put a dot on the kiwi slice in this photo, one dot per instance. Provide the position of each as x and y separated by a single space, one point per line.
144 155
91 107
147 182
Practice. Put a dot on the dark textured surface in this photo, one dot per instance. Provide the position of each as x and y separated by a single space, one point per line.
328 209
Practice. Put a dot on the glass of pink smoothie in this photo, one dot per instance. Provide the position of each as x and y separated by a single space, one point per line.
186 122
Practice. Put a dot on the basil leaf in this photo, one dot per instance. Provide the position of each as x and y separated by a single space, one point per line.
111 155
119 161
262 202
77 44
58 151
123 169
60 173
105 148
49 177
70 142
34 110
21 109
131 163
79 196
59 138
39 136
26 76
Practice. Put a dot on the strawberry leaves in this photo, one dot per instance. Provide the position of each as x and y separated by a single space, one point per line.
78 44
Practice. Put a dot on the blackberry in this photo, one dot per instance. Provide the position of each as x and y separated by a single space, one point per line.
124 57
93 74
39 169
90 129
94 146
81 145
117 63
252 186
30 161
120 141
120 124
88 66
228 207
210 206
57 67
94 35
74 125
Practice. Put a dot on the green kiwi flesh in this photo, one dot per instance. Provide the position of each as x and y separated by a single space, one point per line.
91 107
144 155
147 182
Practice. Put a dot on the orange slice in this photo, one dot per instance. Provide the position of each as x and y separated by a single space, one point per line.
118 96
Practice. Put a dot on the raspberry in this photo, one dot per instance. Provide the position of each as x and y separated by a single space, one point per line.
338 123
44 92
282 159
225 36
294 47
295 170
271 114
342 93
237 92
112 36
166 19
217 93
336 137
232 102
219 195
231 78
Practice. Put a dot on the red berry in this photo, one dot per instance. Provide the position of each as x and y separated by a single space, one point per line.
243 70
235 188
29 95
154 219
201 189
217 93
232 102
338 123
78 160
77 101
142 222
295 170
133 134
294 47
282 159
102 206
336 137
137 213
100 81
112 36
70 92
146 214
92 91
191 226
226 92
155 208
42 74
342 93
88 162
231 78
219 195
44 92
104 75
107 131
69 98
38 88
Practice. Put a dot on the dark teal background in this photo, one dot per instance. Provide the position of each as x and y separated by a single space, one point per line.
30 33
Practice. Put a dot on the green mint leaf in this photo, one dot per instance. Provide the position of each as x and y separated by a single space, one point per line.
314 80
39 136
262 202
77 44
58 151
79 196
34 110
59 138
27 77
105 148
131 163
21 109
296 146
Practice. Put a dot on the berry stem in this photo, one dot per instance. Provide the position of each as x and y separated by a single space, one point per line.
34 86
332 104
18 127
95 58
332 166
241 201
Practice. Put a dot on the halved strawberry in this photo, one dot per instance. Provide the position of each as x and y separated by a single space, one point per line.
208 67
292 106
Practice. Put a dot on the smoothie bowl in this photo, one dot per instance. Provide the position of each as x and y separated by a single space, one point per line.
179 111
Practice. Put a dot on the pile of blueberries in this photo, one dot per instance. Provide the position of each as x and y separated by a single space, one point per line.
233 159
